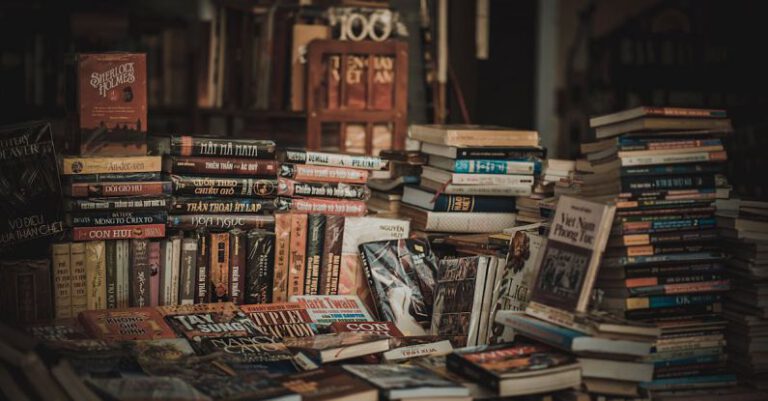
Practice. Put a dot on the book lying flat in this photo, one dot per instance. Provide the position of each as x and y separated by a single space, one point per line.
474 135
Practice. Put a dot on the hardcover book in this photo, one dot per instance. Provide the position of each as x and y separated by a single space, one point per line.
286 319
403 381
76 165
126 324
401 275
197 205
326 309
220 221
219 166
457 203
112 102
572 255
30 191
287 187
223 186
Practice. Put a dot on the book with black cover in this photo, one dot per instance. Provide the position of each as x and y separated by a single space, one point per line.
405 381
263 354
399 273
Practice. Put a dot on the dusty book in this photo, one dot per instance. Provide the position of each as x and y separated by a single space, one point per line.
112 103
260 261
285 319
126 324
30 192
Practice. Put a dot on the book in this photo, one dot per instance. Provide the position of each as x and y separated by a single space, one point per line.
218 269
202 263
447 177
237 265
486 166
325 348
332 159
311 173
155 263
140 231
405 348
519 368
112 103
27 295
572 255
479 190
438 202
407 381
111 177
330 262
260 261
220 221
291 188
386 329
95 275
62 280
285 319
140 273
616 370
79 281
315 237
401 274
116 218
326 309
219 166
218 147
298 251
159 357
108 189
473 135
329 384
280 283
30 190
117 204
483 152
262 355
474 222
188 269
75 165
223 186
125 324
662 124
197 205
195 322
336 207
643 111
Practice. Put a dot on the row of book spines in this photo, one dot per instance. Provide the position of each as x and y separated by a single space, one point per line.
307 255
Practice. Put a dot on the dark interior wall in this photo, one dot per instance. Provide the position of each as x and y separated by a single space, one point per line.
499 90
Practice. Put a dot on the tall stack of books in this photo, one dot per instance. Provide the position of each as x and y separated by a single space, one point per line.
743 226
472 178
664 262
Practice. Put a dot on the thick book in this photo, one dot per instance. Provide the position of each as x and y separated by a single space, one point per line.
218 268
219 166
518 368
404 381
297 261
188 185
95 275
285 319
109 189
126 324
222 147
401 274
447 177
335 207
291 188
118 232
280 280
62 280
362 162
644 111
473 135
456 203
651 123
325 348
259 267
115 218
197 205
259 354
220 221
571 258
76 165
486 166
310 173
330 263
27 296
112 103
474 222
315 237
326 309
117 204
30 191
237 265
328 384
483 152
195 322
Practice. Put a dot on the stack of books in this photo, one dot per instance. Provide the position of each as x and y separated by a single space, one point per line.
540 205
743 225
387 185
472 178
664 263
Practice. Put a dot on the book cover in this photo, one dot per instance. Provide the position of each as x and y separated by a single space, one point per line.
329 383
284 319
333 345
315 237
262 355
401 381
260 261
62 280
226 147
298 251
385 329
237 259
112 102
30 191
57 330
79 281
280 283
250 387
218 286
310 173
195 322
126 324
326 309
143 388
401 275
27 296
330 263
572 254
95 275
161 357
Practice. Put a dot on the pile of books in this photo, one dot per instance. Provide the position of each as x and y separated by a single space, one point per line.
387 185
472 177
540 205
743 226
664 263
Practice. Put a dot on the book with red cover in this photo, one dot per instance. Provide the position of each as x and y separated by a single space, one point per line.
386 329
125 324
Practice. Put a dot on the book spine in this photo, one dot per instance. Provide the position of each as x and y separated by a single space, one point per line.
315 236
96 219
706 168
468 204
201 276
660 226
102 165
323 206
118 232
330 265
681 288
108 204
656 281
466 222
684 257
218 205
668 237
298 252
220 166
491 154
220 221
667 182
95 272
62 281
219 267
27 295
309 173
630 144
260 263
175 269
139 288
188 271
110 253
237 258
154 273
107 189
123 263
488 190
496 167
333 159
287 187
166 267
695 157
491 179
111 177
283 224
191 146
670 301
79 278
223 186
673 270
